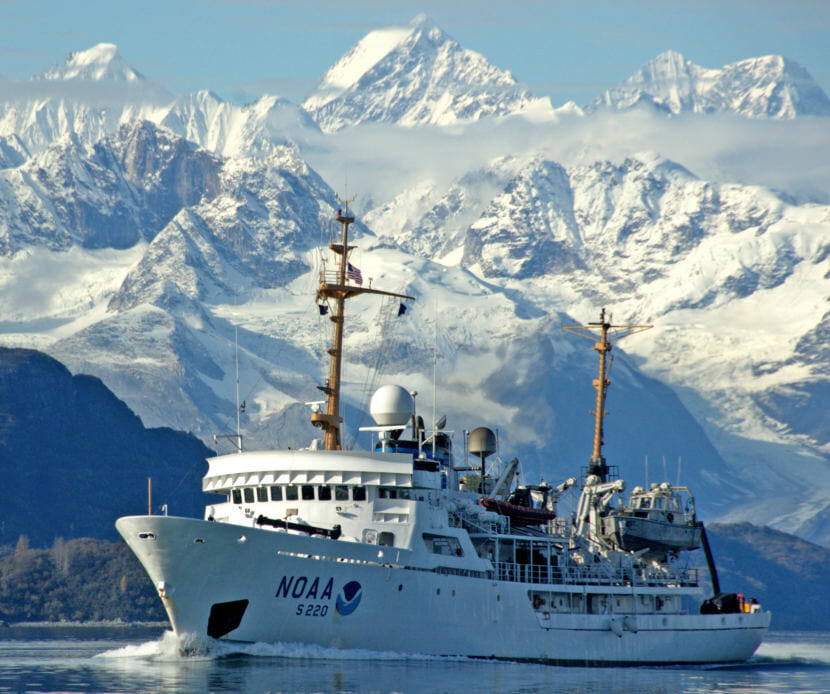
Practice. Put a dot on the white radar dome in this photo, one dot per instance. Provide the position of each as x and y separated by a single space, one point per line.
391 406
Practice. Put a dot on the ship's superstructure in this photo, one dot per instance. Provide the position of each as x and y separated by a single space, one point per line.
411 547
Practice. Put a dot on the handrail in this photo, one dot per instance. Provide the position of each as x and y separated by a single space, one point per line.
333 277
601 574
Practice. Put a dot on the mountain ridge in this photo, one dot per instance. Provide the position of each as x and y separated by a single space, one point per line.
770 86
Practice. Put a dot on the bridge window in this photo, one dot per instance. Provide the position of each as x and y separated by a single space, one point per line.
308 492
262 493
341 493
443 544
324 493
359 494
291 493
276 493
237 496
249 495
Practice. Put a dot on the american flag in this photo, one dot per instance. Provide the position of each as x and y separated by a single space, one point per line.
354 274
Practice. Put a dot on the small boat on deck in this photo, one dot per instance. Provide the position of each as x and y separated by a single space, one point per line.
657 522
528 504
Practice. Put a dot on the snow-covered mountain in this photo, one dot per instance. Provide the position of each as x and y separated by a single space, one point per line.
142 238
244 253
96 91
734 278
770 86
101 62
88 96
114 194
416 75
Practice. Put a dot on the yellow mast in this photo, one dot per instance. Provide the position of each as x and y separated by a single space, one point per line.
597 464
338 286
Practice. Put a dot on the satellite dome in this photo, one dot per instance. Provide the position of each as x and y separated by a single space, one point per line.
482 442
391 406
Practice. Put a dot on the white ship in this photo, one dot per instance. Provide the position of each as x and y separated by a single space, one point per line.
391 549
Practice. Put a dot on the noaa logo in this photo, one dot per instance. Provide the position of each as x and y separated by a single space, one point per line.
349 598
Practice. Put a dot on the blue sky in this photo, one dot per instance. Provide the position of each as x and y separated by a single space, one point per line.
566 50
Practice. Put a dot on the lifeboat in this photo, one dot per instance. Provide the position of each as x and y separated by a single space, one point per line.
528 505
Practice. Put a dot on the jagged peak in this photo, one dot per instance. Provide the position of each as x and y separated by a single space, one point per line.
670 55
422 20
668 65
371 50
773 63
208 95
655 163
414 75
426 25
100 62
769 86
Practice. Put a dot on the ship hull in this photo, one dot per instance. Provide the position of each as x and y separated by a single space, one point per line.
292 588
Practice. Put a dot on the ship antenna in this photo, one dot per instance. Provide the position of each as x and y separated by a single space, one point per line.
344 283
596 465
434 374
238 407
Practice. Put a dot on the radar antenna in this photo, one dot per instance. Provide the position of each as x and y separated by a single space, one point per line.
596 465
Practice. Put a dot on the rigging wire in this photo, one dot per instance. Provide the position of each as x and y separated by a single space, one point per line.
387 322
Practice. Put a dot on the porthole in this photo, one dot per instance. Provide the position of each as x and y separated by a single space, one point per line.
400 587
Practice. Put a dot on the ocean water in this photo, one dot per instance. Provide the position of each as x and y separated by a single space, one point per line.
151 659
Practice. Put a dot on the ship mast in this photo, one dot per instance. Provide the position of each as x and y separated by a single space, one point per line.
596 465
336 287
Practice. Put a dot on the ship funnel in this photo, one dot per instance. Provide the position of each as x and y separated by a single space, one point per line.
391 406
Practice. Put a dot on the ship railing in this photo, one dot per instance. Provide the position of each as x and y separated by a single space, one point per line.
333 277
560 527
600 574
474 524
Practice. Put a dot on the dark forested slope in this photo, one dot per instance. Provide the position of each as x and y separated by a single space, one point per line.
788 575
73 457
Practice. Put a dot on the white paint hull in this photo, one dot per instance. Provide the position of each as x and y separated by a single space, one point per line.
398 609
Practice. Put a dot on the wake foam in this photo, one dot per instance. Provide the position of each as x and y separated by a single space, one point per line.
803 650
191 647
168 647
798 649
